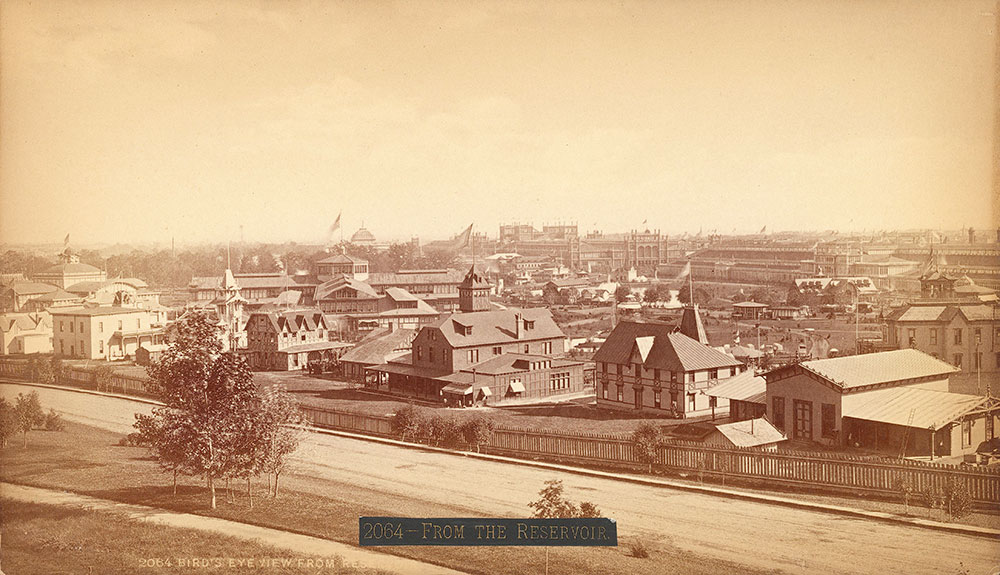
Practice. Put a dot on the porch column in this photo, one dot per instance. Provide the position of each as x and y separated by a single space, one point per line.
933 442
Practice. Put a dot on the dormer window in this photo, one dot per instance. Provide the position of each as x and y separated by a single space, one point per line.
529 324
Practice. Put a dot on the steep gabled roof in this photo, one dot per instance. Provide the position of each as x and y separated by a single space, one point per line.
670 351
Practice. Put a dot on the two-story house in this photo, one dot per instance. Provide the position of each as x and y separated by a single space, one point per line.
289 340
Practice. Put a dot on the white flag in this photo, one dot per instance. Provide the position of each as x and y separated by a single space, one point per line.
686 271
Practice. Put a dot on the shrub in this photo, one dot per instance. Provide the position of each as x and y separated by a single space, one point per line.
407 421
478 431
54 421
638 548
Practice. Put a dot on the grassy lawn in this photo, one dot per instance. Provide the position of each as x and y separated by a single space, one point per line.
88 461
50 539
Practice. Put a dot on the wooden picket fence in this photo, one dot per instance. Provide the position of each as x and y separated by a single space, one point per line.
837 472
830 471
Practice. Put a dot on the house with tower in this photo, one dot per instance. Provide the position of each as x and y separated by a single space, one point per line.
483 355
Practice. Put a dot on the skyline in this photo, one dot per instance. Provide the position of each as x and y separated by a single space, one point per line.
188 120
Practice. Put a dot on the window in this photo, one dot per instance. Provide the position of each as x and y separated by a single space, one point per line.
803 419
958 336
713 374
604 391
497 350
656 398
911 336
656 376
691 402
733 371
71 326
81 327
966 433
621 393
62 326
778 412
617 369
473 355
100 346
119 325
829 420
62 347
957 360
979 335
100 326
933 336
419 353
673 400
559 381
526 348
691 377
430 355
998 359
637 397
72 350
546 347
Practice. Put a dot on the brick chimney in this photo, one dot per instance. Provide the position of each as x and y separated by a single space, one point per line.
517 326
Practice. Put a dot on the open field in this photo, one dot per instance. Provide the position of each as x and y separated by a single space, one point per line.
47 539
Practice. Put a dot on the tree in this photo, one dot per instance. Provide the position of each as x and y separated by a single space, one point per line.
621 293
904 487
478 431
958 499
9 421
701 296
652 294
282 425
647 439
29 413
408 421
208 426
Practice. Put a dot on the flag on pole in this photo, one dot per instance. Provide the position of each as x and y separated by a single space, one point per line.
462 241
336 224
66 240
685 272
763 229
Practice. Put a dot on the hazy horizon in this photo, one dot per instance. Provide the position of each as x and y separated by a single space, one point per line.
139 122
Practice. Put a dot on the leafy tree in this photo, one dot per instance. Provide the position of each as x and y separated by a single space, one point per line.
647 439
208 424
653 294
958 499
588 509
701 295
56 371
621 293
904 487
29 413
281 423
408 421
41 371
9 421
478 431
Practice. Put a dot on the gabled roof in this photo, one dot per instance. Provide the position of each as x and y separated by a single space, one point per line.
71 268
400 294
294 320
744 386
416 277
497 327
670 351
887 367
25 322
327 289
57 295
28 288
751 432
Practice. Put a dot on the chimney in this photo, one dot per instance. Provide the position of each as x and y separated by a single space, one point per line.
517 326
972 235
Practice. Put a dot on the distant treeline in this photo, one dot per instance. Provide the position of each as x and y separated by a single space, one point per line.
163 268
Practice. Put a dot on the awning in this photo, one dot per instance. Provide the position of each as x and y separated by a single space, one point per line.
517 387
457 389
486 391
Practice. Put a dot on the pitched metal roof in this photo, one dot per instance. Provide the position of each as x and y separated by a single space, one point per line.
922 313
751 432
327 289
670 351
416 277
883 367
931 409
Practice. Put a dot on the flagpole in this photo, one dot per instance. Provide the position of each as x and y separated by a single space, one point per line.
690 284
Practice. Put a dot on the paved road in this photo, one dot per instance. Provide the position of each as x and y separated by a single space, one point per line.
754 534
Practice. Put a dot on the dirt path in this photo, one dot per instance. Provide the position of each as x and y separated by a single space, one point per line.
302 546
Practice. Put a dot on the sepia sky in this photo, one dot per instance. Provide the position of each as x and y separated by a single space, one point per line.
146 120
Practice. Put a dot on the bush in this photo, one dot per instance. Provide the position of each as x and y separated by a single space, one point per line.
478 431
408 421
54 421
638 549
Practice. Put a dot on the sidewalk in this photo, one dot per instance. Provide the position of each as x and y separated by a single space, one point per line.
302 546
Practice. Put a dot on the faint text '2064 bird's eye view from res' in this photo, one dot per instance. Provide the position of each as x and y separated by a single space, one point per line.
499 287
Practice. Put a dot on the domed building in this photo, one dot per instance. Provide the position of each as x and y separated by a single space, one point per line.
69 271
363 237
